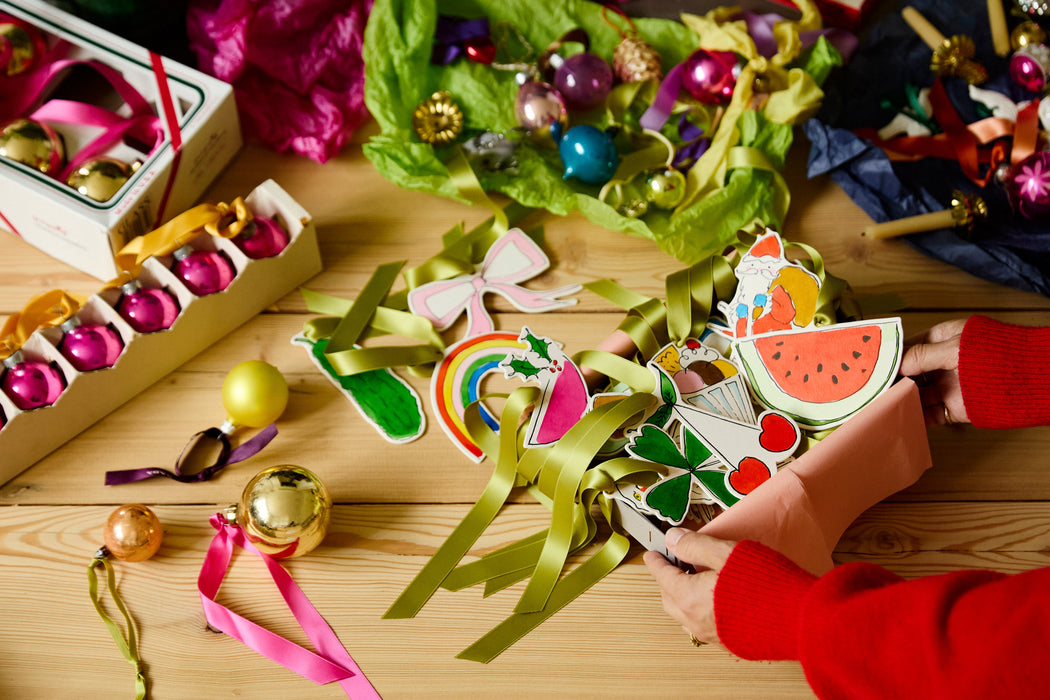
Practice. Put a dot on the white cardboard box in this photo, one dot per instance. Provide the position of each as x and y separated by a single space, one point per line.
77 230
30 435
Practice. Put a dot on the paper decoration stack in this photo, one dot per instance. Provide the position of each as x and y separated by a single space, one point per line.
754 373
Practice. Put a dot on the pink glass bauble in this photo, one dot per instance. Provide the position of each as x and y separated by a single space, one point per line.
584 80
147 310
710 76
31 384
203 272
1028 187
90 346
1029 66
133 533
538 105
264 238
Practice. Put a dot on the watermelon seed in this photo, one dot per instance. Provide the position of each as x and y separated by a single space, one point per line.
834 379
866 338
856 355
820 366
796 358
805 378
845 367
788 374
776 355
779 343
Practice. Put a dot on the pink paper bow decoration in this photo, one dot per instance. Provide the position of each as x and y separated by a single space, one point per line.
513 258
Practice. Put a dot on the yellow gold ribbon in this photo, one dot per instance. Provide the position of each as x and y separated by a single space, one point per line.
45 310
221 219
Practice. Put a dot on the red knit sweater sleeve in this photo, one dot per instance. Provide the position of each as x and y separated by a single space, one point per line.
861 631
1003 374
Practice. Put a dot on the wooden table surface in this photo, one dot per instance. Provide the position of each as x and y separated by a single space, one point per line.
983 504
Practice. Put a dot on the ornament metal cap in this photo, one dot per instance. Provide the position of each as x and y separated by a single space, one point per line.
183 252
69 324
130 287
14 359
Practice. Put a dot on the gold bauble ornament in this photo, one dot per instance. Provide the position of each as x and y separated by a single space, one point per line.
19 43
438 120
284 511
1025 34
34 143
665 188
100 178
133 533
635 60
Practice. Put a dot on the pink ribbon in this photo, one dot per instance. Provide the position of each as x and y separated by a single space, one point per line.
513 258
330 663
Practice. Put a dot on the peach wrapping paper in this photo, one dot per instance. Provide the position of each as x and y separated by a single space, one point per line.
803 510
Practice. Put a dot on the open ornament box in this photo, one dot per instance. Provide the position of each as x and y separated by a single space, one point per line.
30 435
201 134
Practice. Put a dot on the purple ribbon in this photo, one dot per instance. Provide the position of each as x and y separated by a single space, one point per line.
226 457
760 27
451 32
694 144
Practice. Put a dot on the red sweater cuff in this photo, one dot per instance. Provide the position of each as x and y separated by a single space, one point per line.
998 364
758 599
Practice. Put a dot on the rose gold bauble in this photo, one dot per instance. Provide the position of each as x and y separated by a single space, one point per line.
133 533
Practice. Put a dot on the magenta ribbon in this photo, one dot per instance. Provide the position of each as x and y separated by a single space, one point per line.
331 661
243 451
513 258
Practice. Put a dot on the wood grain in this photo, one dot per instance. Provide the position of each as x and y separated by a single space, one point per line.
983 504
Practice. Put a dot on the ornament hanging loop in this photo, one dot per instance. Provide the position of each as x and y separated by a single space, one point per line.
632 30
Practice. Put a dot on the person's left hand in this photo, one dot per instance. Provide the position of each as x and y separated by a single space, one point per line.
689 598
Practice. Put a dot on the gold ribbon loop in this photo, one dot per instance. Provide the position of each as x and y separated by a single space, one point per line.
45 310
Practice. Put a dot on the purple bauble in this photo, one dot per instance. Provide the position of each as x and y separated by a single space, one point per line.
31 384
710 76
1029 65
584 80
89 346
264 238
203 272
147 310
1028 187
538 105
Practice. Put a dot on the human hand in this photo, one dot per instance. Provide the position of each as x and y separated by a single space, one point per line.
690 598
932 359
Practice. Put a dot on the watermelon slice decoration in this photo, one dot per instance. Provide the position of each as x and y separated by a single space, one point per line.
821 376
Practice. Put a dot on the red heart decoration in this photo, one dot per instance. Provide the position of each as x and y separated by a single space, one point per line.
480 50
748 475
778 433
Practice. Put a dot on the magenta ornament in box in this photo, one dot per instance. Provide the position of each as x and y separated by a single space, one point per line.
146 357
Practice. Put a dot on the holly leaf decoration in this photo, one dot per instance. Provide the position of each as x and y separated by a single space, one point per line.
668 391
655 445
540 346
524 368
670 497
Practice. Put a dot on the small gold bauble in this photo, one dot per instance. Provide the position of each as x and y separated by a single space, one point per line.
133 533
665 188
1026 33
100 178
438 120
19 43
34 143
284 511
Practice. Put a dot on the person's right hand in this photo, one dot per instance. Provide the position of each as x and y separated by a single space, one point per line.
932 360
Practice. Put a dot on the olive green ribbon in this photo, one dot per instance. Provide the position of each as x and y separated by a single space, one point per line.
128 647
364 317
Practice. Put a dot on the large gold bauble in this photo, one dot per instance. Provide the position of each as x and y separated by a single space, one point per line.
34 143
100 178
284 511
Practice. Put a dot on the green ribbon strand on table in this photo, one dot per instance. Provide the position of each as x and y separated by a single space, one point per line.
129 646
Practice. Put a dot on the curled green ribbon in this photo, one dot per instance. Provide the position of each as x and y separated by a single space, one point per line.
128 647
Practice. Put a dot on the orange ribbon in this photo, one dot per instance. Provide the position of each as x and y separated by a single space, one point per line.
45 310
